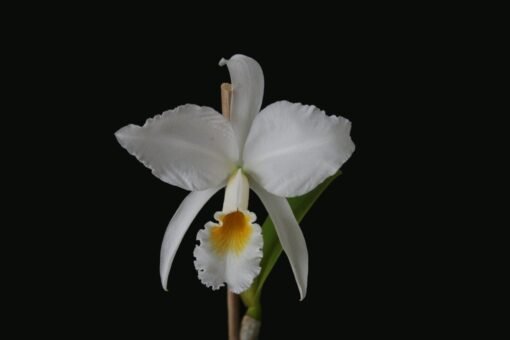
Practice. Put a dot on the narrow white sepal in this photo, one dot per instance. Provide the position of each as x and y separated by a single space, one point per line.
289 233
178 226
247 92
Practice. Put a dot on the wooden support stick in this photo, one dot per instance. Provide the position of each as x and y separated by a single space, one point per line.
232 298
226 98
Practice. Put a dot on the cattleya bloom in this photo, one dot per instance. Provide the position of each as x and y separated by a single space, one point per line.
282 151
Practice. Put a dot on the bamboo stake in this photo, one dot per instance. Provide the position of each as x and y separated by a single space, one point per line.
232 298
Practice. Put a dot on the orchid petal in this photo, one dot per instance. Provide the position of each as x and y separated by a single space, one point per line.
178 226
191 147
292 148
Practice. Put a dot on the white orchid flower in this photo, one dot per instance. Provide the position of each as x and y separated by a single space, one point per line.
282 151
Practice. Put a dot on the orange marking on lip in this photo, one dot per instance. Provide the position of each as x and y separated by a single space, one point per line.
232 234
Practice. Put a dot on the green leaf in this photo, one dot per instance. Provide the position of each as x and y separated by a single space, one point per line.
272 248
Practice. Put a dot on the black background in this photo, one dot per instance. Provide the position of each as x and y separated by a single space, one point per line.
98 267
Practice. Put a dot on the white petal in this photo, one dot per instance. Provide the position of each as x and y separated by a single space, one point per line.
247 92
178 226
237 270
191 147
289 233
292 148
